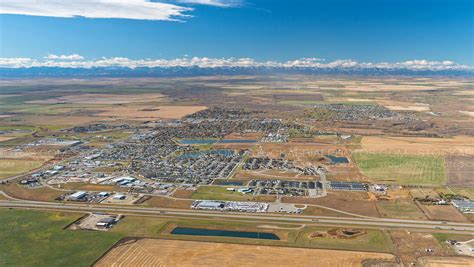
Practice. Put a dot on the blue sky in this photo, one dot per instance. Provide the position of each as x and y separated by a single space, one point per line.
365 31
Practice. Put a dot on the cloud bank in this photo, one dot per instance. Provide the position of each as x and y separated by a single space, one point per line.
117 9
65 57
218 3
77 61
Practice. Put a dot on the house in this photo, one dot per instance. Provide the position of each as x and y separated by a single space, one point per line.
106 222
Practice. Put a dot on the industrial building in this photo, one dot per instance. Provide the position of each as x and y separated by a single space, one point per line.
464 205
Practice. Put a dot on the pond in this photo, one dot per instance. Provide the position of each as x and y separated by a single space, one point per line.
237 141
211 232
197 141
335 159
234 183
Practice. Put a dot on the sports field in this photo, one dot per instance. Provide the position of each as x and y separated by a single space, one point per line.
402 169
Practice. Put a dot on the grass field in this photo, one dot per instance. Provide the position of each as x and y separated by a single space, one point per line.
373 240
291 235
149 227
34 238
21 192
399 210
402 169
12 167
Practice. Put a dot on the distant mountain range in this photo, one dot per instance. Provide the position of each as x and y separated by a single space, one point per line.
117 72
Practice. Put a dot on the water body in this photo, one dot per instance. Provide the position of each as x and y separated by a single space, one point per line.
223 152
228 183
209 232
335 159
198 141
237 141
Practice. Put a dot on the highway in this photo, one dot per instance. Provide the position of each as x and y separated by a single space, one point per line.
382 223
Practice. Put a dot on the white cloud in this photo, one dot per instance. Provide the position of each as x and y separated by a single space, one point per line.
77 61
218 3
64 57
15 62
124 9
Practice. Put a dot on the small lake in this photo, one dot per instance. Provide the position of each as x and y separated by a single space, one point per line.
335 159
210 232
197 141
222 152
234 183
237 141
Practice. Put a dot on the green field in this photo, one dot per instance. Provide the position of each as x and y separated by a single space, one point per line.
399 210
403 169
11 167
291 235
38 238
373 240
34 238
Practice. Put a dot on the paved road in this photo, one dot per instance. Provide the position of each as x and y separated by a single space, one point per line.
462 228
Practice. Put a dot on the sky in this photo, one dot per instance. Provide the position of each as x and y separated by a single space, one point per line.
78 32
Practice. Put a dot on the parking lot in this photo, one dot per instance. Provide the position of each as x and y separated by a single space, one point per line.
96 221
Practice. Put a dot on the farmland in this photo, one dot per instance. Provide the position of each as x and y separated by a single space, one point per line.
402 169
279 139
33 238
418 145
169 252
12 167
460 171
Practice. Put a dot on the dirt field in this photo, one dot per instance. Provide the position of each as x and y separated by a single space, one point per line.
403 106
303 153
460 171
469 113
419 145
6 138
148 112
102 99
55 120
443 213
352 202
270 174
164 202
156 252
40 194
447 261
410 246
183 193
